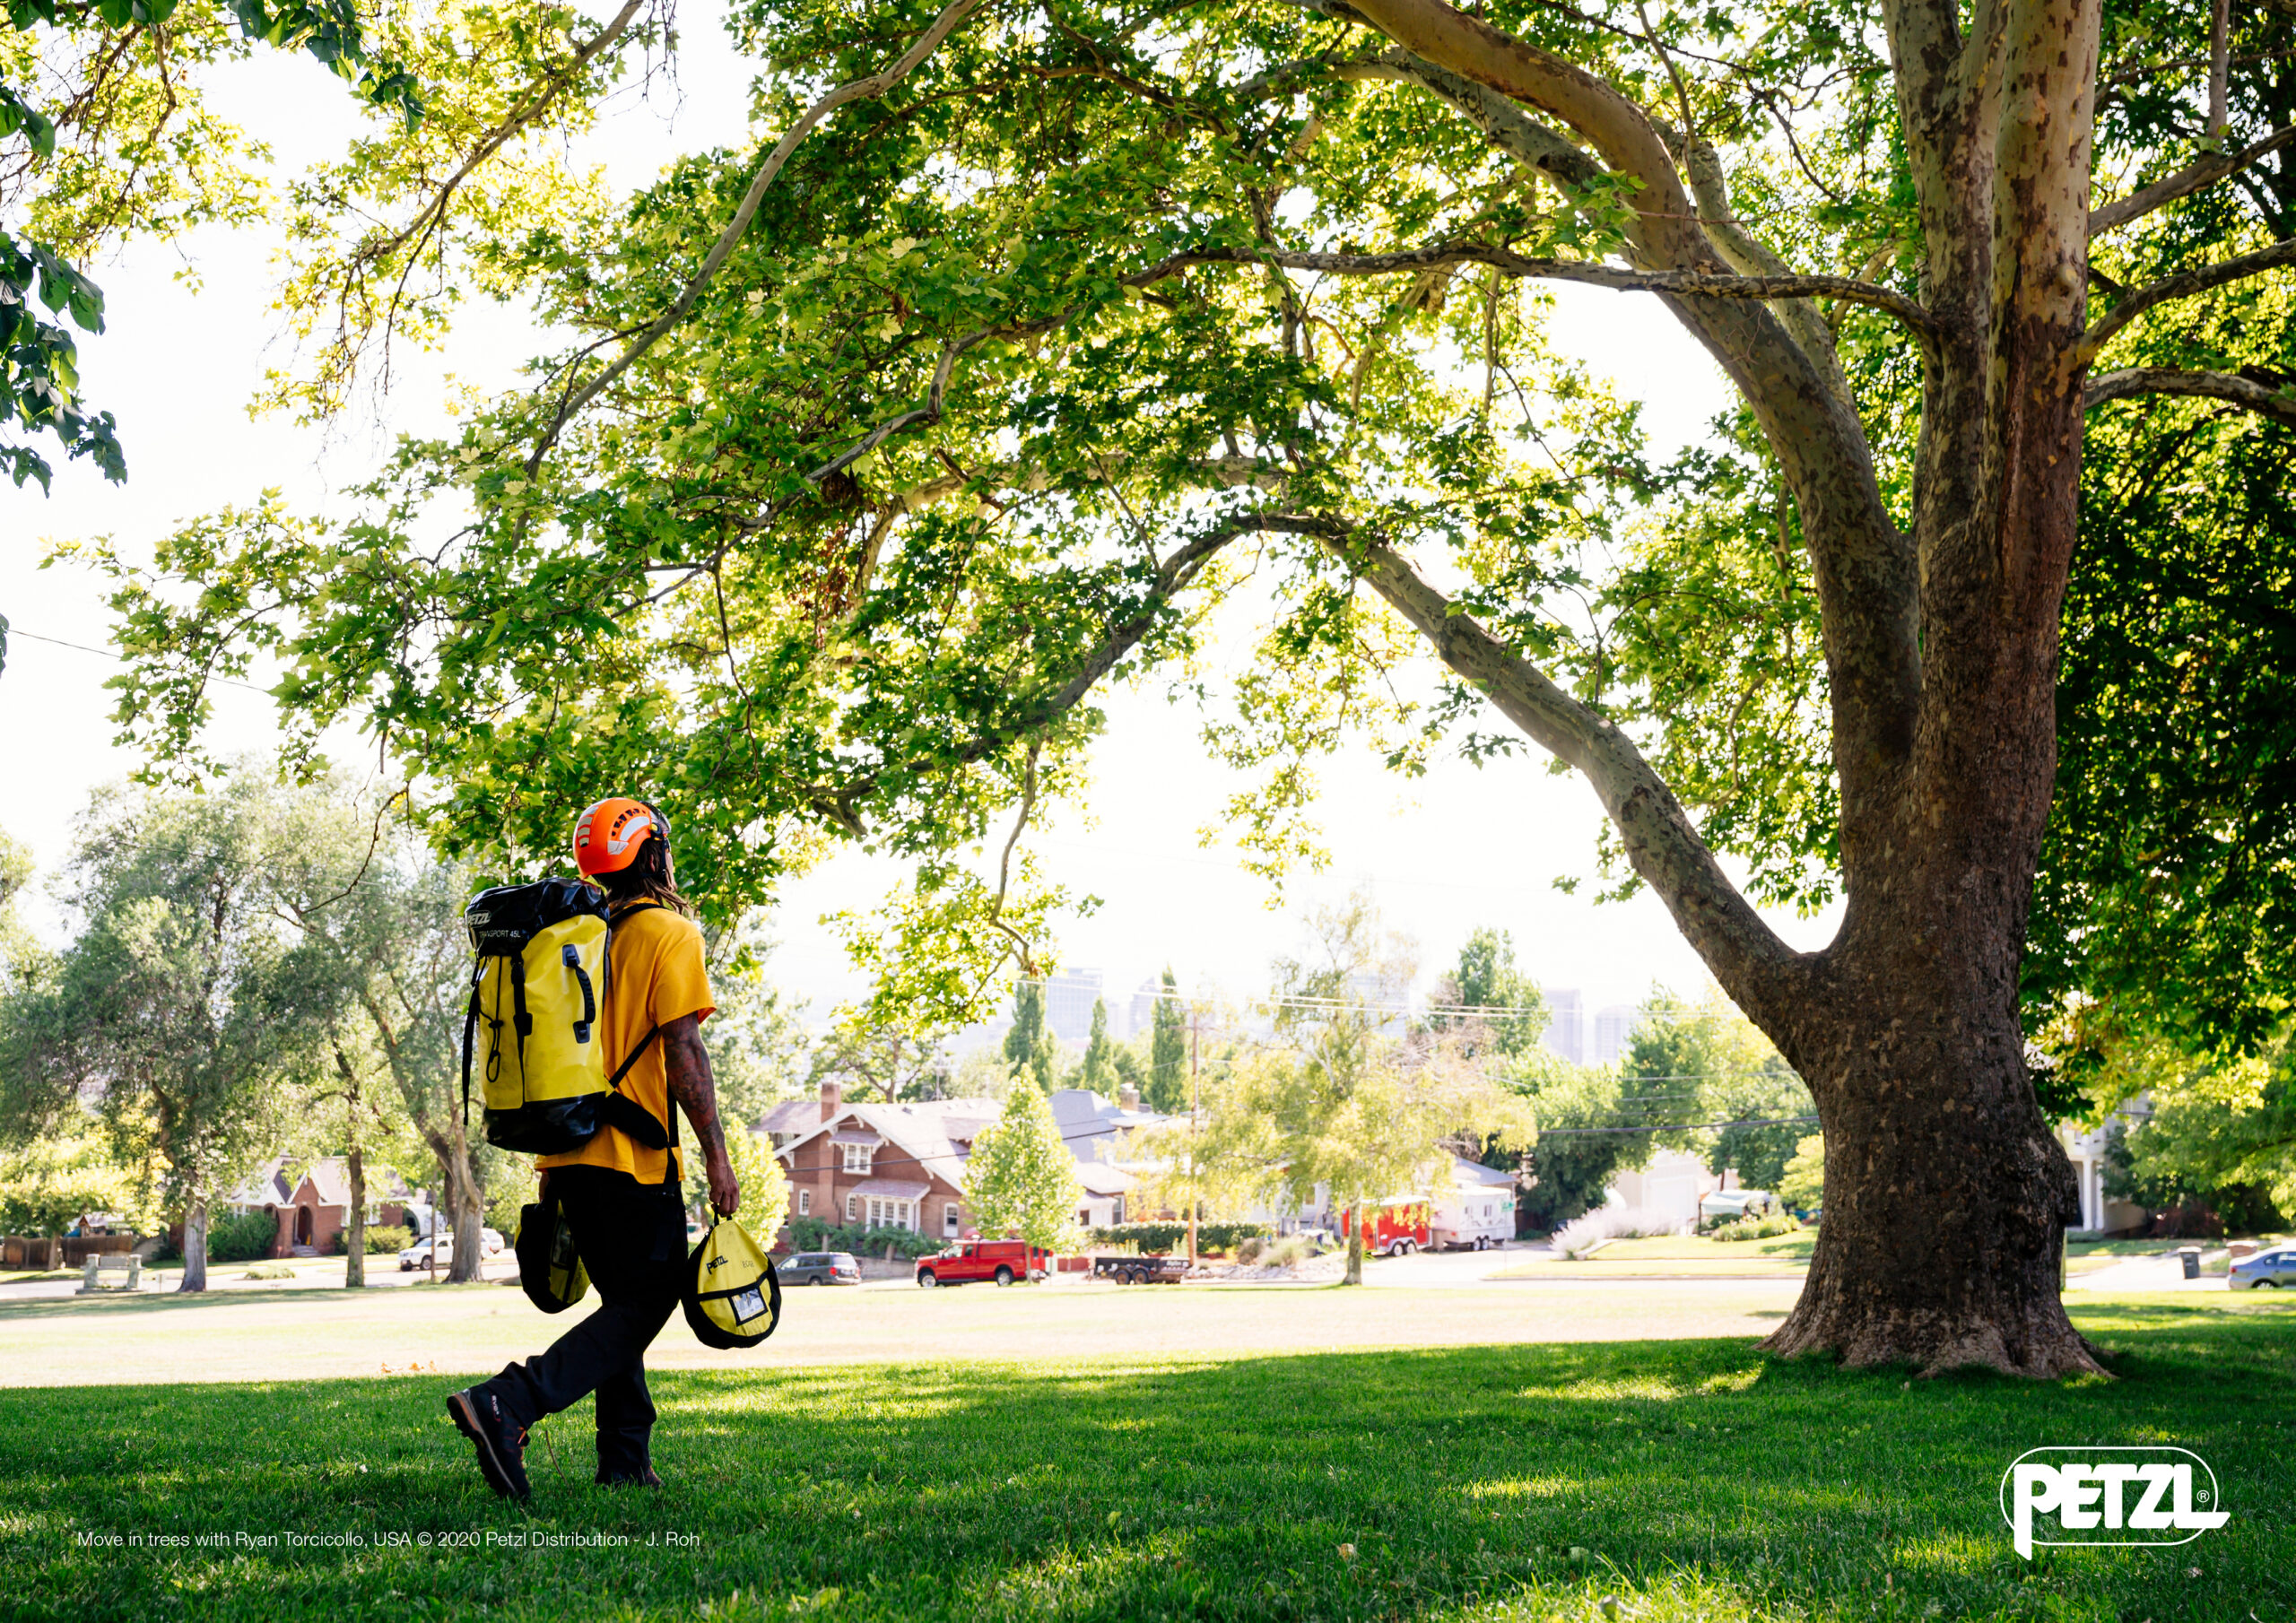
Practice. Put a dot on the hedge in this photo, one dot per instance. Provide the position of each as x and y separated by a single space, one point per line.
241 1239
1165 1236
818 1234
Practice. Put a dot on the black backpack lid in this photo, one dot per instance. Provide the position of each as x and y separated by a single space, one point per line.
504 919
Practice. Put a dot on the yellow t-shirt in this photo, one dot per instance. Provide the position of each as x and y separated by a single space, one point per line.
655 977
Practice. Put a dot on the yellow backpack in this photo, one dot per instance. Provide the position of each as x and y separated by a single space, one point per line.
536 992
732 1296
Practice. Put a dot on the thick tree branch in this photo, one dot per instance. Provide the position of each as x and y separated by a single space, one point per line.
1744 953
2197 176
2185 285
875 84
1684 284
2278 405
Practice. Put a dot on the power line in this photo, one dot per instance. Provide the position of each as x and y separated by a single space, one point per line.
116 654
1781 1121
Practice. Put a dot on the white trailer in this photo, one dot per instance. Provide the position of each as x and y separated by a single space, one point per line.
1477 1211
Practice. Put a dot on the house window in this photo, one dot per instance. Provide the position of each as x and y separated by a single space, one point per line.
889 1214
804 1202
949 1223
856 1160
850 1202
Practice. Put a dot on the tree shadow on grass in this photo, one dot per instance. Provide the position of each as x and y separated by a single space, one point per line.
1694 1478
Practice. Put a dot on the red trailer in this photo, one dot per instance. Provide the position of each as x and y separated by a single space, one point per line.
1396 1227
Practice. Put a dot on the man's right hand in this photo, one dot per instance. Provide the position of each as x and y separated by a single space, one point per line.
725 1193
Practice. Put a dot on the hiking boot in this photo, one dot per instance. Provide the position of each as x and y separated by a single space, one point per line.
501 1445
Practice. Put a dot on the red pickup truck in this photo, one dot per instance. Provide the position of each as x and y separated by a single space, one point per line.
1002 1260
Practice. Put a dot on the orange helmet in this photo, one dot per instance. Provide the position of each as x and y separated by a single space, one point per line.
608 836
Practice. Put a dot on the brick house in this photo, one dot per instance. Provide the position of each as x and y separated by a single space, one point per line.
313 1207
879 1166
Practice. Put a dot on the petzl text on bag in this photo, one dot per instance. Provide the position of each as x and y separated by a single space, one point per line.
550 1270
732 1297
532 1028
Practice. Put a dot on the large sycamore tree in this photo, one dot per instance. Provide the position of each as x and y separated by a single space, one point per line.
1067 331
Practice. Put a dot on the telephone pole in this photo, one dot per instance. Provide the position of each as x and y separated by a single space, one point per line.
1195 1123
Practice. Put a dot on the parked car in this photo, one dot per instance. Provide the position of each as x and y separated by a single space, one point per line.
1004 1261
2268 1270
420 1254
1728 1205
489 1243
820 1268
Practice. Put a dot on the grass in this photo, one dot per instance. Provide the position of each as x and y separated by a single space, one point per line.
316 1330
1781 1256
1691 1479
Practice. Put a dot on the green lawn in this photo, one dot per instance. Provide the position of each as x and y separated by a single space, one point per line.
1692 1479
1781 1256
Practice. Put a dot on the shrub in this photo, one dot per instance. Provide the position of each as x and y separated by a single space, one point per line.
1289 1252
1580 1236
241 1239
1767 1227
1167 1237
1249 1250
817 1234
270 1271
388 1238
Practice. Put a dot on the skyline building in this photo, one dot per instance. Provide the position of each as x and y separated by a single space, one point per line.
1069 1000
1566 1027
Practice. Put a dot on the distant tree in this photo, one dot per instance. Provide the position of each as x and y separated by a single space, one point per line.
764 1182
1167 1089
1691 1064
1487 1000
1099 1069
1337 1101
48 1184
1802 1186
1580 1146
2219 1133
893 1061
176 1006
1028 1023
1020 1178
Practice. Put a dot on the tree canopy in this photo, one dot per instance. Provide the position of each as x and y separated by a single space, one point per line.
1048 345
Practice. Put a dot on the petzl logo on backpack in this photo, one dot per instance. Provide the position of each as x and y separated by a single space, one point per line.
732 1297
533 1023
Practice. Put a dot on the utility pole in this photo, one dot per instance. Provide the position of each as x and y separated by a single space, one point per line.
1195 1123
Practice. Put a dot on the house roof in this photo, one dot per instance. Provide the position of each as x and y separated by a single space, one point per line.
888 1189
847 1135
267 1186
1092 1125
1465 1171
791 1115
931 1137
1101 1178
330 1180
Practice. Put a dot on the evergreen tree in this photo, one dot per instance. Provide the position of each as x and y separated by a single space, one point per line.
1027 1024
1099 1070
1167 1089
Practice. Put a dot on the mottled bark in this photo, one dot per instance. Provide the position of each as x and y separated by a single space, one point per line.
195 1244
354 1258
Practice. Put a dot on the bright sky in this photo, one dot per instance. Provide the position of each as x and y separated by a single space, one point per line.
1458 848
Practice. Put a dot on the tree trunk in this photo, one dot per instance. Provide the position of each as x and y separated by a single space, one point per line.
1354 1275
469 1214
354 1260
195 1244
1946 1196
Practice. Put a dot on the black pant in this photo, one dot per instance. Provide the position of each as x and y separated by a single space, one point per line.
631 1237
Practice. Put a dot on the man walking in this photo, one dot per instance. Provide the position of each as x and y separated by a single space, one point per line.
621 1199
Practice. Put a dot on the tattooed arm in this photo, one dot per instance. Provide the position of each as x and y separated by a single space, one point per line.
693 1086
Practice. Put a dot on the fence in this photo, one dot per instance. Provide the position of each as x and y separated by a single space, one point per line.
55 1251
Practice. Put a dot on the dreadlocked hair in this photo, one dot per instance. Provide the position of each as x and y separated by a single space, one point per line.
647 879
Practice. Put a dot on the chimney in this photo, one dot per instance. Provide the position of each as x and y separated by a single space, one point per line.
832 1100
1128 1098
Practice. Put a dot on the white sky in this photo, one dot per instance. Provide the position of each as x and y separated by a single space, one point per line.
1456 849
